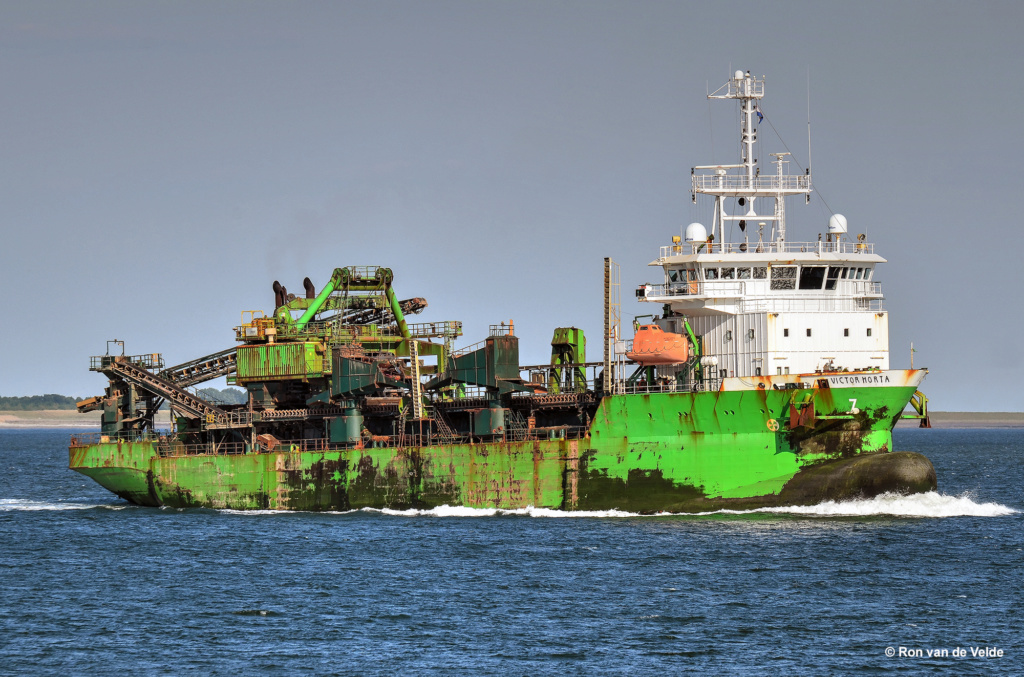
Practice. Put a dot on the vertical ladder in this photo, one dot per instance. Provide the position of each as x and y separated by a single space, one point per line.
612 318
417 404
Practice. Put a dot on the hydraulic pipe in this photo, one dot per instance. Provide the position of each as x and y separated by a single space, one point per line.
338 279
396 308
696 349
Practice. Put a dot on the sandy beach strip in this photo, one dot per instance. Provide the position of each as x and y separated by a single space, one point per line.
60 418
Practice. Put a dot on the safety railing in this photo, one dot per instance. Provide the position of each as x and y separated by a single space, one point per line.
668 385
148 361
171 447
741 183
469 349
232 419
445 329
336 332
85 439
820 246
809 304
742 289
715 289
502 329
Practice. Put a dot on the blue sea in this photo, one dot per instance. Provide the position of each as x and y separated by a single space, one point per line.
90 584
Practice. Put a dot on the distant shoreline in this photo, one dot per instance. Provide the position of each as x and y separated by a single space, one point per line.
69 418
969 419
61 418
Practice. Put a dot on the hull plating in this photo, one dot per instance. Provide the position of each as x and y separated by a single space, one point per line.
675 452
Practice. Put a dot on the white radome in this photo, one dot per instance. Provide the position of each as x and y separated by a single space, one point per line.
837 224
696 232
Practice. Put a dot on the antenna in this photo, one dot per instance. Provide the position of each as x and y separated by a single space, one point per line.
809 120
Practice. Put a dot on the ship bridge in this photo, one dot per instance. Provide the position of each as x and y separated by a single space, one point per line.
761 304
732 278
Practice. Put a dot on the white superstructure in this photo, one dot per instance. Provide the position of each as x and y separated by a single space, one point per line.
764 305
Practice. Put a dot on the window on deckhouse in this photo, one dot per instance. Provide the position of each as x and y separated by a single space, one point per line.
783 277
811 277
833 277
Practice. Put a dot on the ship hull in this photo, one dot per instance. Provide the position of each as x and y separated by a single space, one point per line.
743 446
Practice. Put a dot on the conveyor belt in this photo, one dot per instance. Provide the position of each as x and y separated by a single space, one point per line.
176 396
202 369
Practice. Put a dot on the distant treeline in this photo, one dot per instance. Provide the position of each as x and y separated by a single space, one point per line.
37 402
52 401
226 396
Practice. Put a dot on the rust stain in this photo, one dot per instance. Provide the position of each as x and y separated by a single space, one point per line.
572 473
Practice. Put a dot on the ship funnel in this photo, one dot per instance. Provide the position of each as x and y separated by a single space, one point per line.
278 294
696 233
836 224
310 289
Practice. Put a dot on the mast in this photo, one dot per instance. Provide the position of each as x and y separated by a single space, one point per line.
743 182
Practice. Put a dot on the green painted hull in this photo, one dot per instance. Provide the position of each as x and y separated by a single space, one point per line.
675 452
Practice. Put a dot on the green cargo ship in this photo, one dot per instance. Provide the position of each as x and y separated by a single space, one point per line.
764 380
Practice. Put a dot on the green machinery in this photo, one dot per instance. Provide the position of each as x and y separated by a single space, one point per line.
344 367
568 347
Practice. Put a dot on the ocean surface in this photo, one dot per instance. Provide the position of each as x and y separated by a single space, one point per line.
91 584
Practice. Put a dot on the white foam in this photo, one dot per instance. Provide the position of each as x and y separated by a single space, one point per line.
528 511
930 504
20 504
231 511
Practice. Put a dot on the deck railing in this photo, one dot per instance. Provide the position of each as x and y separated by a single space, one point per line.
820 247
741 183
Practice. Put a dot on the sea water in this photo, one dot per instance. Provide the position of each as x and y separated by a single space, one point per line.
91 584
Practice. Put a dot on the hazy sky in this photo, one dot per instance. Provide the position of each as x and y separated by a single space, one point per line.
164 162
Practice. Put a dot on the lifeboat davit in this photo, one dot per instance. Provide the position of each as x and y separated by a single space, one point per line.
652 345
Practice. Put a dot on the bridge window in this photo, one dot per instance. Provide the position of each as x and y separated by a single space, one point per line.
673 276
760 273
867 273
783 277
833 277
811 277
743 273
711 273
728 273
860 271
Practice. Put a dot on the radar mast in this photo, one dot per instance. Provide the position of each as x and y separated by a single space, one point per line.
743 182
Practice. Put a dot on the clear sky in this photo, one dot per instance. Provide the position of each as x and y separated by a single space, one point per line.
164 162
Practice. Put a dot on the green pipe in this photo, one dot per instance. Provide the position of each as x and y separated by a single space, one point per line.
396 308
338 279
698 368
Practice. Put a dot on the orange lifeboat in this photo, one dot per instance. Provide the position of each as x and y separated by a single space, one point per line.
652 345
